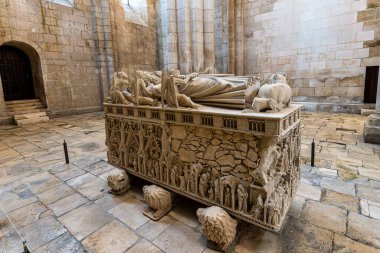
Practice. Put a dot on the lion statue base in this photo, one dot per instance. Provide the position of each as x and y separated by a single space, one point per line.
119 183
159 201
218 227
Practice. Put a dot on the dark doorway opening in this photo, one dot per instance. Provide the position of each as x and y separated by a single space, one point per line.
371 78
16 74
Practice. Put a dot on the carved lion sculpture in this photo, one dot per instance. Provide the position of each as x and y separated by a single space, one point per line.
217 226
158 199
274 96
119 183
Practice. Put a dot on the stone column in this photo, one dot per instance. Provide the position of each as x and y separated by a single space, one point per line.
184 36
169 33
208 30
197 39
372 126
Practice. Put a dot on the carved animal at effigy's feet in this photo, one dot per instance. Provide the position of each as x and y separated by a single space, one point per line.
217 226
273 96
158 199
119 183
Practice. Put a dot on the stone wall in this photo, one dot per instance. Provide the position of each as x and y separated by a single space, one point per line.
75 49
135 46
318 44
322 46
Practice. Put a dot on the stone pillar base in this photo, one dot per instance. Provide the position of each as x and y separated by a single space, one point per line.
371 132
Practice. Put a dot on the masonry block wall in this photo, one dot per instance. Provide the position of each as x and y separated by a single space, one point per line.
75 48
134 46
319 45
322 46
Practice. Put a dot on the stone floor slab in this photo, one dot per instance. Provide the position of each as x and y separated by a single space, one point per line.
41 232
364 229
54 194
67 204
144 246
309 191
343 245
85 220
27 214
109 201
69 174
114 237
131 213
65 243
152 229
180 238
312 236
327 216
341 200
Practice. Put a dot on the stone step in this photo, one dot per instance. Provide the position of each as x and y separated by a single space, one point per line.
12 106
32 120
367 112
12 113
30 115
13 102
26 108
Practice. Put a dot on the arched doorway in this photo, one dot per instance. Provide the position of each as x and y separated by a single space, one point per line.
16 74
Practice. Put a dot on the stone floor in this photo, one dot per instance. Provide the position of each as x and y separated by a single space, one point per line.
59 208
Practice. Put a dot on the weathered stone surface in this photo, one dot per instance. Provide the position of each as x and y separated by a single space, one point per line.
186 155
309 191
41 232
296 206
374 209
114 237
343 244
364 207
307 234
210 152
144 246
178 132
338 186
69 174
364 229
152 229
186 239
85 220
326 216
226 160
252 155
65 243
67 204
368 192
203 132
341 200
131 213
27 214
257 240
109 201
54 194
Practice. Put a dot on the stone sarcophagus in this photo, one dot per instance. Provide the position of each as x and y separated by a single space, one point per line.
245 162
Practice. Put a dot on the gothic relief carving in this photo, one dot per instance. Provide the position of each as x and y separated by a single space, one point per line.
253 177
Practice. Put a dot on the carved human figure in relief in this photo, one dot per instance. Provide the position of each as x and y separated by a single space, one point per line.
257 208
227 92
203 183
227 197
242 198
274 95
